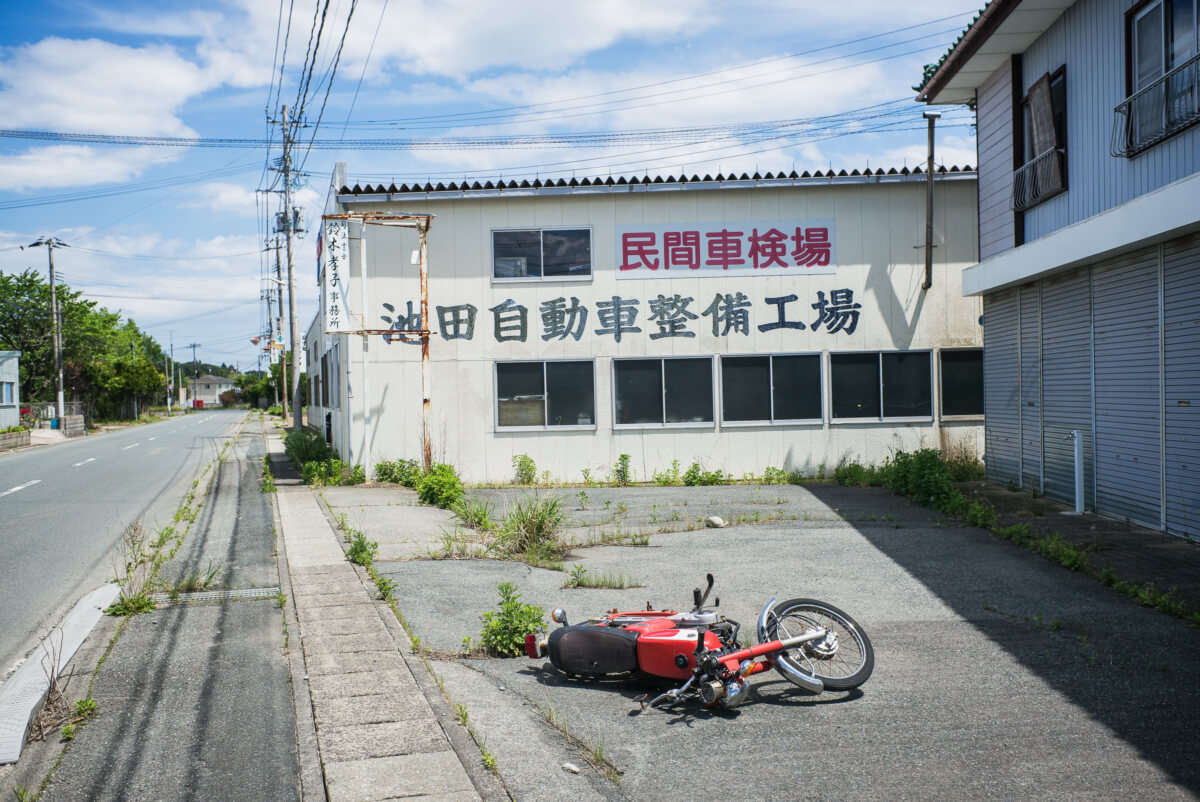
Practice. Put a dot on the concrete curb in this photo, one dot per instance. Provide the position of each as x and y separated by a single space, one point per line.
26 689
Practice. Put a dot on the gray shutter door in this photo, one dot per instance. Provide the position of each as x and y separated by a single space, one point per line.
1000 400
1031 389
1066 382
1128 407
1181 291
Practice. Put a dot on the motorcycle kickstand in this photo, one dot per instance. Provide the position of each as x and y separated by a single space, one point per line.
672 694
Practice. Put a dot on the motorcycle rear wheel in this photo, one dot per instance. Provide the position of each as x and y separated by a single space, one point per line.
840 669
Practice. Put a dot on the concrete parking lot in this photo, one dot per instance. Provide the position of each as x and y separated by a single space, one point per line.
998 674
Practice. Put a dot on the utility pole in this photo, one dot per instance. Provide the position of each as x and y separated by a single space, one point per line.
51 243
283 375
288 221
195 364
932 117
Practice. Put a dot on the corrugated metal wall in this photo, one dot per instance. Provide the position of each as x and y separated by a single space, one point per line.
1001 371
1031 388
1066 382
994 142
1181 334
1128 402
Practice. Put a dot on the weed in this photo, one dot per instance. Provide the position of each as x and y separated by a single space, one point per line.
441 487
362 551
131 605
696 476
1012 486
68 732
281 600
460 712
622 508
546 480
23 794
304 446
333 472
402 472
268 480
622 474
197 581
855 474
85 708
532 526
584 499
670 477
475 513
386 587
587 478
524 469
489 760
580 578
504 631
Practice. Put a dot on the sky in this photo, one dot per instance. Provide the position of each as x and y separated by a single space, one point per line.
176 238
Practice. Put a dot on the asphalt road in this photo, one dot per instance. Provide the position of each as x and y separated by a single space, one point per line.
64 507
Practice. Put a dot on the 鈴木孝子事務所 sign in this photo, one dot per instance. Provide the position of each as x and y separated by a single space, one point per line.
719 249
336 275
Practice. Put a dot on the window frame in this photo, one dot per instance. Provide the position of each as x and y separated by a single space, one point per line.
662 386
8 394
881 418
941 386
545 427
542 253
742 424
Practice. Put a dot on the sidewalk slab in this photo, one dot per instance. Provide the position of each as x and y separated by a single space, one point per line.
437 774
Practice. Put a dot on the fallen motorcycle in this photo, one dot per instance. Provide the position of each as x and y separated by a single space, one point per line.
812 644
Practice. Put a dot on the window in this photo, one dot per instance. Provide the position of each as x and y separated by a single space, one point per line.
536 394
6 393
1044 136
550 253
663 391
768 389
962 382
881 386
1162 46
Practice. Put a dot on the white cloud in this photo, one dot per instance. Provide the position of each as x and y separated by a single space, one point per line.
58 166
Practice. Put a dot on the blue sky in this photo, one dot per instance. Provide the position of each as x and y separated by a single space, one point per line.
182 254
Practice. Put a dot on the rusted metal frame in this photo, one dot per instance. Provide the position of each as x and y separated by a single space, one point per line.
426 405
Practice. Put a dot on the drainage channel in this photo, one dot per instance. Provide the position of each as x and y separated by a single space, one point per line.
214 596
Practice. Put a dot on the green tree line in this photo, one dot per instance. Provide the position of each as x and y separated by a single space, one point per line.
107 364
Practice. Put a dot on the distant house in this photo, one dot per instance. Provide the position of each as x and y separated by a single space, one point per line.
1089 247
206 390
10 389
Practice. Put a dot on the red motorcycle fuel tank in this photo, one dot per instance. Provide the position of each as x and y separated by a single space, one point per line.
660 642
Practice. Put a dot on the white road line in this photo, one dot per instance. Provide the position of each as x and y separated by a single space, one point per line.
85 462
135 445
19 487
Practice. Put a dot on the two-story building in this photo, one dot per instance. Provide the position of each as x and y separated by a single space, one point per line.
742 322
205 391
1089 251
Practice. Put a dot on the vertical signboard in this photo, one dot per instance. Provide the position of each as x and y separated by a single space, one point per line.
336 276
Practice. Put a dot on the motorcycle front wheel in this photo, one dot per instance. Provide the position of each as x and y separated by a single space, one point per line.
842 660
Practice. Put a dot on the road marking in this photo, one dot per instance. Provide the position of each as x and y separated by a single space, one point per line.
135 445
85 462
19 487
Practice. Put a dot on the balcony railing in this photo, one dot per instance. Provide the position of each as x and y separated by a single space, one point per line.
1159 111
1040 178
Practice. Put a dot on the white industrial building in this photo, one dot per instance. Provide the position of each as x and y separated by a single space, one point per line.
739 321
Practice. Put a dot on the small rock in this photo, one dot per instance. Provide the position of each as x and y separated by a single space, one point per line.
501 687
715 522
571 767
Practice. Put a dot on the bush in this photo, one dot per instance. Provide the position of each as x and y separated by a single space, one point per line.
441 487
333 472
361 551
922 475
304 446
402 472
531 528
275 409
504 631
695 476
855 474
525 470
776 476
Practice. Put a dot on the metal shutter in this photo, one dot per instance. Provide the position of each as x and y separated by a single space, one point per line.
1000 371
1066 382
1031 388
1128 407
1181 292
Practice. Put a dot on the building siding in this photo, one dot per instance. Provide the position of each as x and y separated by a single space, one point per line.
1089 38
1066 382
994 141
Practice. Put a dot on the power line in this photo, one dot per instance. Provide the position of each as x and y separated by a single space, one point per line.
109 192
328 86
